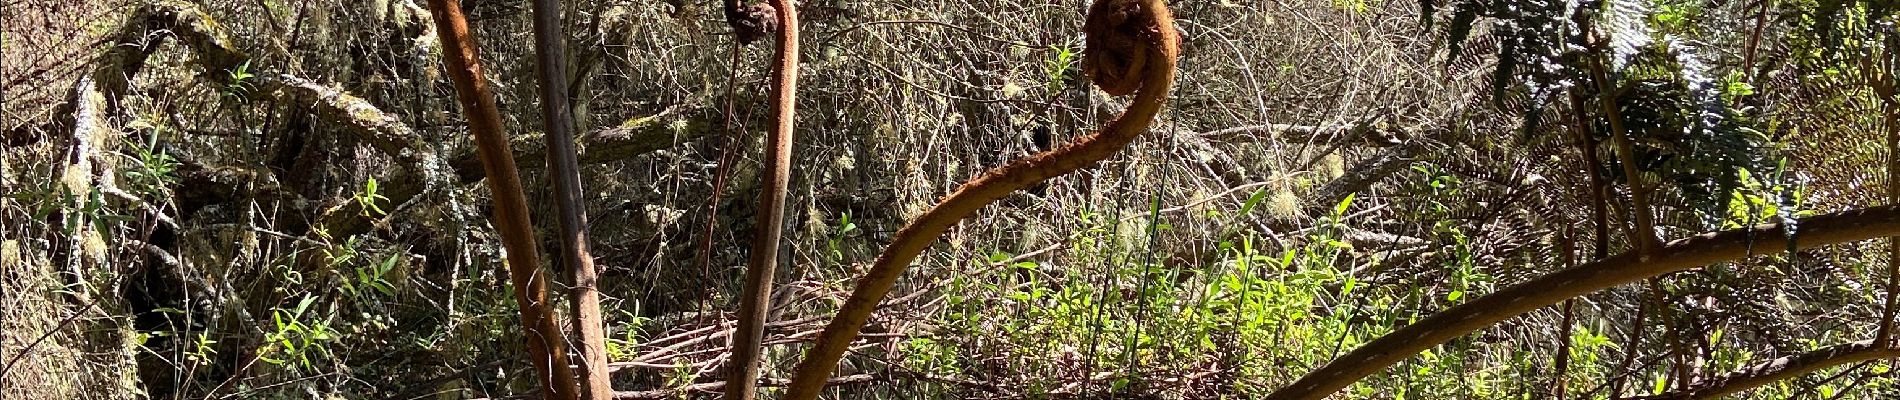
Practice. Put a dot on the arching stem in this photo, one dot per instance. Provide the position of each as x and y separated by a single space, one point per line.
1156 63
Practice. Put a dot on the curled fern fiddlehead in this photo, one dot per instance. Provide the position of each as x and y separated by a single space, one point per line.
1132 45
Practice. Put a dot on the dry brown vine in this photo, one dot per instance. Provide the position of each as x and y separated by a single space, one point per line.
1132 45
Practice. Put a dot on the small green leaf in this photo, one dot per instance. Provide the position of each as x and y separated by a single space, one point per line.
1253 201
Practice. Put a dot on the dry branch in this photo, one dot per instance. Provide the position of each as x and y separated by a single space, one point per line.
417 168
1779 369
1883 83
417 165
360 118
681 392
1360 177
1684 254
129 47
1370 131
634 138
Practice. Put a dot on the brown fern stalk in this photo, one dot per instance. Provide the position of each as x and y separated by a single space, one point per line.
564 170
1644 234
1645 229
1587 149
1778 369
1749 71
1638 325
1884 86
1678 354
1543 291
1132 47
756 299
1559 382
545 347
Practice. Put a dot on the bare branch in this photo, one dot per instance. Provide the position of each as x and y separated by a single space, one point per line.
678 392
1779 369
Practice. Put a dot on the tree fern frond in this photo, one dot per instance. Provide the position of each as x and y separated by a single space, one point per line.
1707 144
1625 25
1464 16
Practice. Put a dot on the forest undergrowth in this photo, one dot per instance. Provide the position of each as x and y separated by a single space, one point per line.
208 199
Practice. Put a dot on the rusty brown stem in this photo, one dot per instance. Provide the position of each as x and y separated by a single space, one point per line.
545 348
756 298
